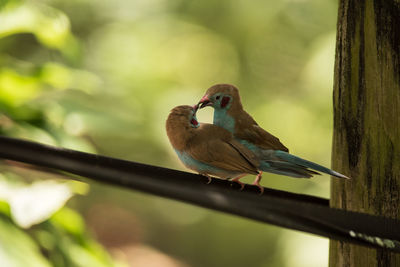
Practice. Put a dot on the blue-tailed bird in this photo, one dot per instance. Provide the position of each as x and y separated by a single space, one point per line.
206 148
273 155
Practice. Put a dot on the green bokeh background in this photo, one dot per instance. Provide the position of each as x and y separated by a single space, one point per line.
101 76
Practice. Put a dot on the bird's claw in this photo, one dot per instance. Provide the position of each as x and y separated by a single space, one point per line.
208 177
241 185
260 187
236 180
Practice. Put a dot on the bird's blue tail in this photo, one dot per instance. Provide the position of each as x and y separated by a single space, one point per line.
281 162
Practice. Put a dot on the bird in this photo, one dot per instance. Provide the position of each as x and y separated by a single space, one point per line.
273 156
208 149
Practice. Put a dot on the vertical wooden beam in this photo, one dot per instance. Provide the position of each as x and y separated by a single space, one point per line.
366 139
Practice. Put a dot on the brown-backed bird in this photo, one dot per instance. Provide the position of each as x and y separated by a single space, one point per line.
206 148
273 156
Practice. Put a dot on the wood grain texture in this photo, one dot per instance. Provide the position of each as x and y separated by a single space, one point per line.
366 139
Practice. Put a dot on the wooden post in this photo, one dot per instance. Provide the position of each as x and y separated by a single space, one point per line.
366 139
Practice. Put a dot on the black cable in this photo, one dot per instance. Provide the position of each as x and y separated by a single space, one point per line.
295 211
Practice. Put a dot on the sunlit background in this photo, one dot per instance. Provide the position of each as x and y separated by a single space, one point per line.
101 76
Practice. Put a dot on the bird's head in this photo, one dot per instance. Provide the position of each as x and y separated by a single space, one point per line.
220 96
184 115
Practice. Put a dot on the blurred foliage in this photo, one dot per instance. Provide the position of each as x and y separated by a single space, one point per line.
101 76
36 230
55 234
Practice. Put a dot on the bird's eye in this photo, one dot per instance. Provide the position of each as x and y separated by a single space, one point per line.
218 97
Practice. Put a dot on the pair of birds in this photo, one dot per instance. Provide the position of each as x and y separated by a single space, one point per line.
234 145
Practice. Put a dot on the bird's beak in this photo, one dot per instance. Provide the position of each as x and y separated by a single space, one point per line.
205 102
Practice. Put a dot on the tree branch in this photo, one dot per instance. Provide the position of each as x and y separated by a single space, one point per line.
294 211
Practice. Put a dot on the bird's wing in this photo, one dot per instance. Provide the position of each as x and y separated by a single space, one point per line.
246 128
224 155
244 152
260 137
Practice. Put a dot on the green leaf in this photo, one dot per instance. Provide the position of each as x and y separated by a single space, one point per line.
5 208
50 26
69 220
16 89
17 249
61 77
35 203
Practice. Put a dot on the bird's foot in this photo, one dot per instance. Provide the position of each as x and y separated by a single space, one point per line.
257 183
236 180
